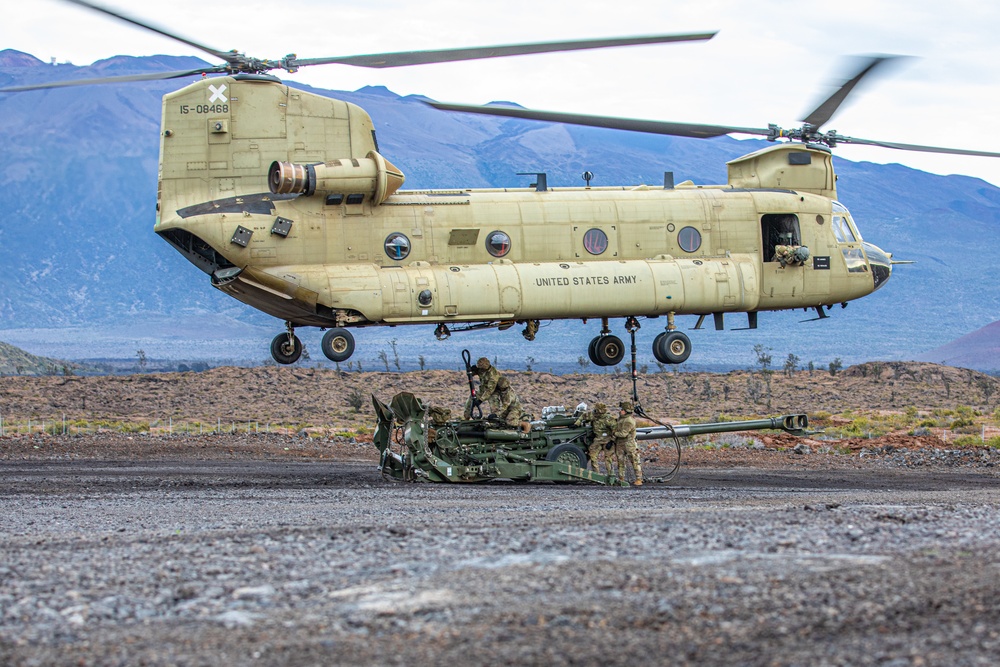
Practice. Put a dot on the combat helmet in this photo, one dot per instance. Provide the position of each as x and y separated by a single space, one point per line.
600 408
482 363
626 406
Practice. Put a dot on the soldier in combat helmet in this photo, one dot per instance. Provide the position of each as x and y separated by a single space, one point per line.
603 423
624 435
496 390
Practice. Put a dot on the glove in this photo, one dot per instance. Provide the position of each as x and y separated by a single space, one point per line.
609 445
476 402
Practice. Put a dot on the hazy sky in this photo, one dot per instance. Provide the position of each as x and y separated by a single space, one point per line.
772 61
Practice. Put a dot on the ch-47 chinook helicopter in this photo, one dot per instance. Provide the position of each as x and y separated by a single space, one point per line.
283 199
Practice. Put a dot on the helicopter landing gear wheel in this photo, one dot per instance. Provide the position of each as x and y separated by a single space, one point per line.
338 345
591 351
286 348
609 350
672 347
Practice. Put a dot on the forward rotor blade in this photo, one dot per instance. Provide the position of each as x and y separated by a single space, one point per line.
406 58
825 111
697 131
916 147
228 56
156 76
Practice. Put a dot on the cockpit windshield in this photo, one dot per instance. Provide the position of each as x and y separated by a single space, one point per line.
843 227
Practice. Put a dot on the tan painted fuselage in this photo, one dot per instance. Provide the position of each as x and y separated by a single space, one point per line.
352 250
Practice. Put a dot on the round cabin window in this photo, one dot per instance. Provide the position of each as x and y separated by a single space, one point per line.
689 239
498 244
397 246
595 241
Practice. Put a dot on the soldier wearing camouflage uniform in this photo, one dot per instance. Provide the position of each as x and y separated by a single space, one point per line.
603 423
495 389
625 444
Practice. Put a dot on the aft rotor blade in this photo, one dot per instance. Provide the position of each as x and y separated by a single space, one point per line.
156 76
634 125
406 58
228 56
825 111
916 147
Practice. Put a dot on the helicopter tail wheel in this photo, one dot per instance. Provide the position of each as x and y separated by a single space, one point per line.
286 349
338 345
609 350
672 347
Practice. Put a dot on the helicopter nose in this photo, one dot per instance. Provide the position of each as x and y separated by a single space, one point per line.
881 263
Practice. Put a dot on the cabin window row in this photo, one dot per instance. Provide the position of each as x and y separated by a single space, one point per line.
350 200
498 243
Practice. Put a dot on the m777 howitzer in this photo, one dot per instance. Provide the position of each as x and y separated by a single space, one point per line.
417 448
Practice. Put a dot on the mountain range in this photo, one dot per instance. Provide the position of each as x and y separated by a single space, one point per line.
83 276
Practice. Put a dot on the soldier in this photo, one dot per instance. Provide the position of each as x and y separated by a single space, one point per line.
495 389
603 423
624 435
790 255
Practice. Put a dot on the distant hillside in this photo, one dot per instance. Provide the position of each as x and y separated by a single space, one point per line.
979 350
79 169
15 361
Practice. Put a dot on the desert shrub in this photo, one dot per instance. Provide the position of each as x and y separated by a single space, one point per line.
962 425
964 441
356 399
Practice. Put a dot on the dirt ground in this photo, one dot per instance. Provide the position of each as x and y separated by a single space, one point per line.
137 546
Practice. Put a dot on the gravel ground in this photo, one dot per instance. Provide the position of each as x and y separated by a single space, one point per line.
200 554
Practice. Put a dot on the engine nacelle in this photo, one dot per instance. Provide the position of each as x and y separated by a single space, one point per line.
373 176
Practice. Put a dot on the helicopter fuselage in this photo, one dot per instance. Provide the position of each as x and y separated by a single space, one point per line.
281 196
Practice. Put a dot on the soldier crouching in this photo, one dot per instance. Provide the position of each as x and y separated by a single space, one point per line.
603 423
497 391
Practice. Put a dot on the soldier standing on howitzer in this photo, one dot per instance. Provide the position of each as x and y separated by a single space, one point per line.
603 423
624 435
495 389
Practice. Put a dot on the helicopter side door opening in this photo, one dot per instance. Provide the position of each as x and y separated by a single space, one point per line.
779 229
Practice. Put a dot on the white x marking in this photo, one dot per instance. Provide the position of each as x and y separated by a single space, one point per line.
217 93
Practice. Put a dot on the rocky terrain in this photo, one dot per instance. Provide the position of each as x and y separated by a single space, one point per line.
122 543
340 401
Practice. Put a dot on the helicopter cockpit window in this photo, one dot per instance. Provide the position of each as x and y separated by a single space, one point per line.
355 199
334 200
397 246
689 239
498 244
855 260
841 224
779 229
842 230
595 241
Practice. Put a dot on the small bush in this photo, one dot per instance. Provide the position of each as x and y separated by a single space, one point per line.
964 441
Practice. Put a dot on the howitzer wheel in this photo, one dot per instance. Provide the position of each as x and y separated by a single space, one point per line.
286 349
337 345
568 453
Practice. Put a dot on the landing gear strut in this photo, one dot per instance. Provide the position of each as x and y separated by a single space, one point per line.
605 349
286 348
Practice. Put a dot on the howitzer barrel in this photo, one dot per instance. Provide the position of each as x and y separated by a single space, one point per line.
794 424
